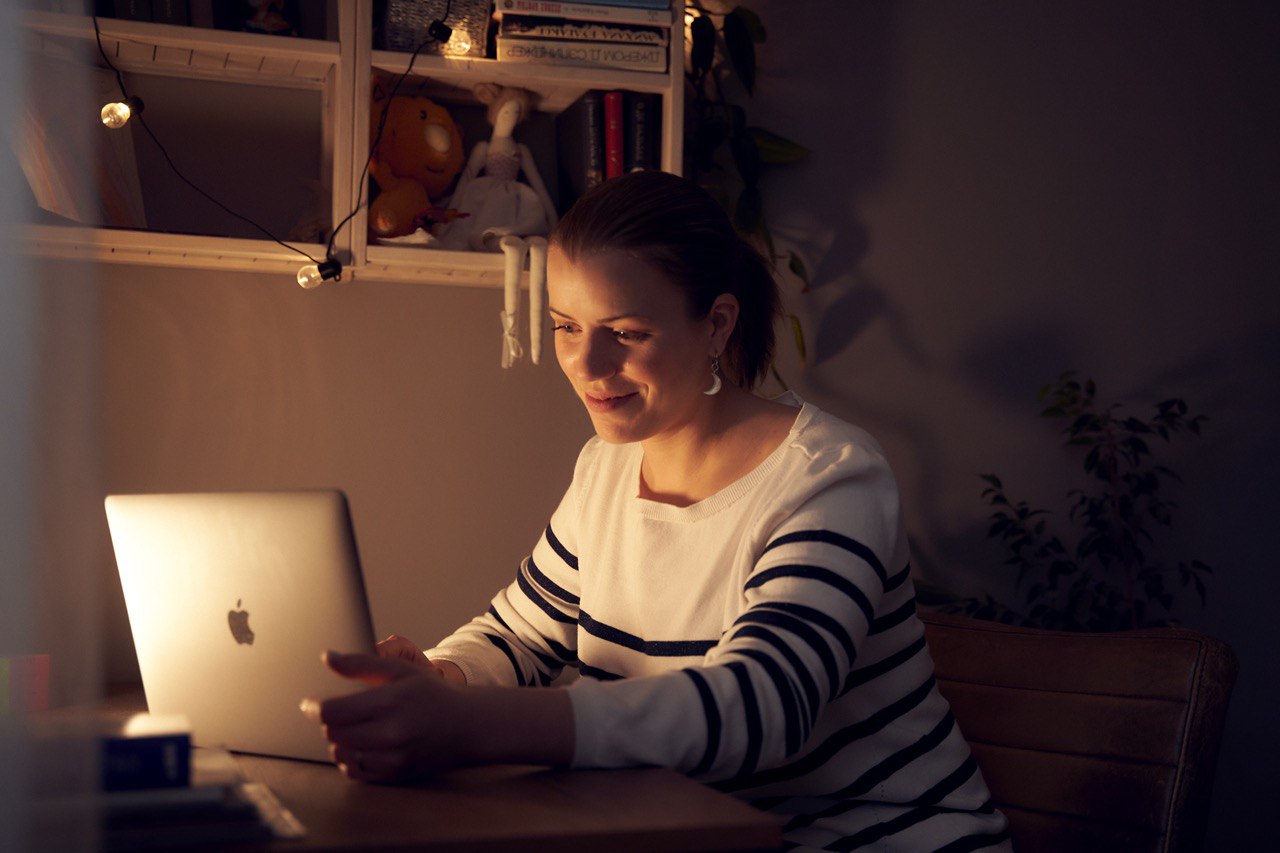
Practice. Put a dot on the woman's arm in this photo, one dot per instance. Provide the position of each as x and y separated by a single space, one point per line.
411 722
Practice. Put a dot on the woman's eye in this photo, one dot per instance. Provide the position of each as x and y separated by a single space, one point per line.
562 327
633 337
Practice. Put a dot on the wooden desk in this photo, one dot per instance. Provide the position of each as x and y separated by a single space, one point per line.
509 808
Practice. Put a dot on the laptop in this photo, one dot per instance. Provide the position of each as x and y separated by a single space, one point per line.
232 597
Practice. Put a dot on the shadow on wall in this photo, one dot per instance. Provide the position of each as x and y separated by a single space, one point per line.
850 152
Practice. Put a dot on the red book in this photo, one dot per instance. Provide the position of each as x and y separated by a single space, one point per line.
612 135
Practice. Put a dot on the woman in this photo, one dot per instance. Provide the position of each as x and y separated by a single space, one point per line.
729 574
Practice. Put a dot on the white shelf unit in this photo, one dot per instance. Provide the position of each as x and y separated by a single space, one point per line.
341 70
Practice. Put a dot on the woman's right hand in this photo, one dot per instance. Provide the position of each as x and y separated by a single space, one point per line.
396 646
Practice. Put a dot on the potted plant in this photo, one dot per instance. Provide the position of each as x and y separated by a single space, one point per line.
1108 577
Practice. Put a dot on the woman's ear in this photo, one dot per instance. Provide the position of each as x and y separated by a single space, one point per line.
724 318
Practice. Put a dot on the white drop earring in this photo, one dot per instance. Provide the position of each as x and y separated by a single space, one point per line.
715 377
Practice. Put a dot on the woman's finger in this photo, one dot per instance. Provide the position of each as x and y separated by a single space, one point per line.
365 765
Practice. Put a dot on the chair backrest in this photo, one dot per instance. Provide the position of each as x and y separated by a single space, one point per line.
1089 742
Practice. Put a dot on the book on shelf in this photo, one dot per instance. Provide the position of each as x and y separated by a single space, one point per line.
625 57
641 127
657 16
133 10
170 12
603 134
613 136
580 147
531 26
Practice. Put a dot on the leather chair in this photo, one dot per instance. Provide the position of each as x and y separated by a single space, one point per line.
1089 742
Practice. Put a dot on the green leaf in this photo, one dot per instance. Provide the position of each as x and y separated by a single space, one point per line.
798 332
797 267
776 149
742 50
752 22
702 51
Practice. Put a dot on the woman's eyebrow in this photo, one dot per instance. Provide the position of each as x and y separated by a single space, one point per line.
627 315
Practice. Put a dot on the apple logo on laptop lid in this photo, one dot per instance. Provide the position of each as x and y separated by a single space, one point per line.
238 619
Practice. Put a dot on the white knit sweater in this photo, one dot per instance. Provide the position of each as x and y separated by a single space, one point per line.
763 640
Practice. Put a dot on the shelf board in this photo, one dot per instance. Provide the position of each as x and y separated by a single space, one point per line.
433 266
163 49
450 79
170 250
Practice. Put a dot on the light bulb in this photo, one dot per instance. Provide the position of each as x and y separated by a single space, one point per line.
459 43
313 275
117 113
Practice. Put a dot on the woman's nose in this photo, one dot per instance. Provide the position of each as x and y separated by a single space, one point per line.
597 358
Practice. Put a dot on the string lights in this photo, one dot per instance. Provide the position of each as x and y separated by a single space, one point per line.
117 114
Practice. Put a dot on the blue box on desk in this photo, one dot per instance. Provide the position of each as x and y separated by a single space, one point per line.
147 751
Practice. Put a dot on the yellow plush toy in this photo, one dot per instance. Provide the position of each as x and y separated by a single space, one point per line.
414 163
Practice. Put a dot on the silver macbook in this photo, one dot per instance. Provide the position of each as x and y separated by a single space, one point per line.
232 597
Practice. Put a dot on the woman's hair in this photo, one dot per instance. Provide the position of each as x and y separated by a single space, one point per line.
683 232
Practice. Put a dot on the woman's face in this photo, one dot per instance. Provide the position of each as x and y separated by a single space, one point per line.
625 339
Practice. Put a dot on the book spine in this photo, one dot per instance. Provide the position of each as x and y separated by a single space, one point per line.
641 131
131 763
133 10
586 12
170 12
580 146
594 140
627 57
613 138
523 26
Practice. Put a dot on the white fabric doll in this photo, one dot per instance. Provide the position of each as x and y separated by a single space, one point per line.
506 213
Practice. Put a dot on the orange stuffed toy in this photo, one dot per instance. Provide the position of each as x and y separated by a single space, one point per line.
414 163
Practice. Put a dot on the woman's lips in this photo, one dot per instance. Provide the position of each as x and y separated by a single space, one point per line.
607 404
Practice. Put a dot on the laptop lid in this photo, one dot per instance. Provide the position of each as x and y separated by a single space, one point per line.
232 597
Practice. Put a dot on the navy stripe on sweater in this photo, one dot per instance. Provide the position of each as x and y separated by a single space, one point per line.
900 759
751 710
874 670
974 842
832 626
898 580
551 586
599 674
802 630
544 605
712 714
788 697
570 560
651 648
825 751
550 663
797 666
506 650
830 537
894 619
815 573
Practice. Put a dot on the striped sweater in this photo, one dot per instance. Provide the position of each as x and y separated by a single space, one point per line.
763 640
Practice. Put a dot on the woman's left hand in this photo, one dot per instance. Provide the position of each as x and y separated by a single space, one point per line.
408 723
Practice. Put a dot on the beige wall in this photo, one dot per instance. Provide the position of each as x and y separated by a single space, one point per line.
390 392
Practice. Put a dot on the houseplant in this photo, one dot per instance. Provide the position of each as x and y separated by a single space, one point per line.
726 154
1110 578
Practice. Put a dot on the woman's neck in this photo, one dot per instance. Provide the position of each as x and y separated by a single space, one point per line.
724 443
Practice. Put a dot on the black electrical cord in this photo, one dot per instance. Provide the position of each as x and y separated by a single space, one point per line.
372 148
125 93
382 121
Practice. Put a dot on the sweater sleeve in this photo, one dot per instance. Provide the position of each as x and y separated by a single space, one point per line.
809 601
529 633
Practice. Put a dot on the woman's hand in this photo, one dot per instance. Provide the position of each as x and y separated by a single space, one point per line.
408 723
396 646
411 722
